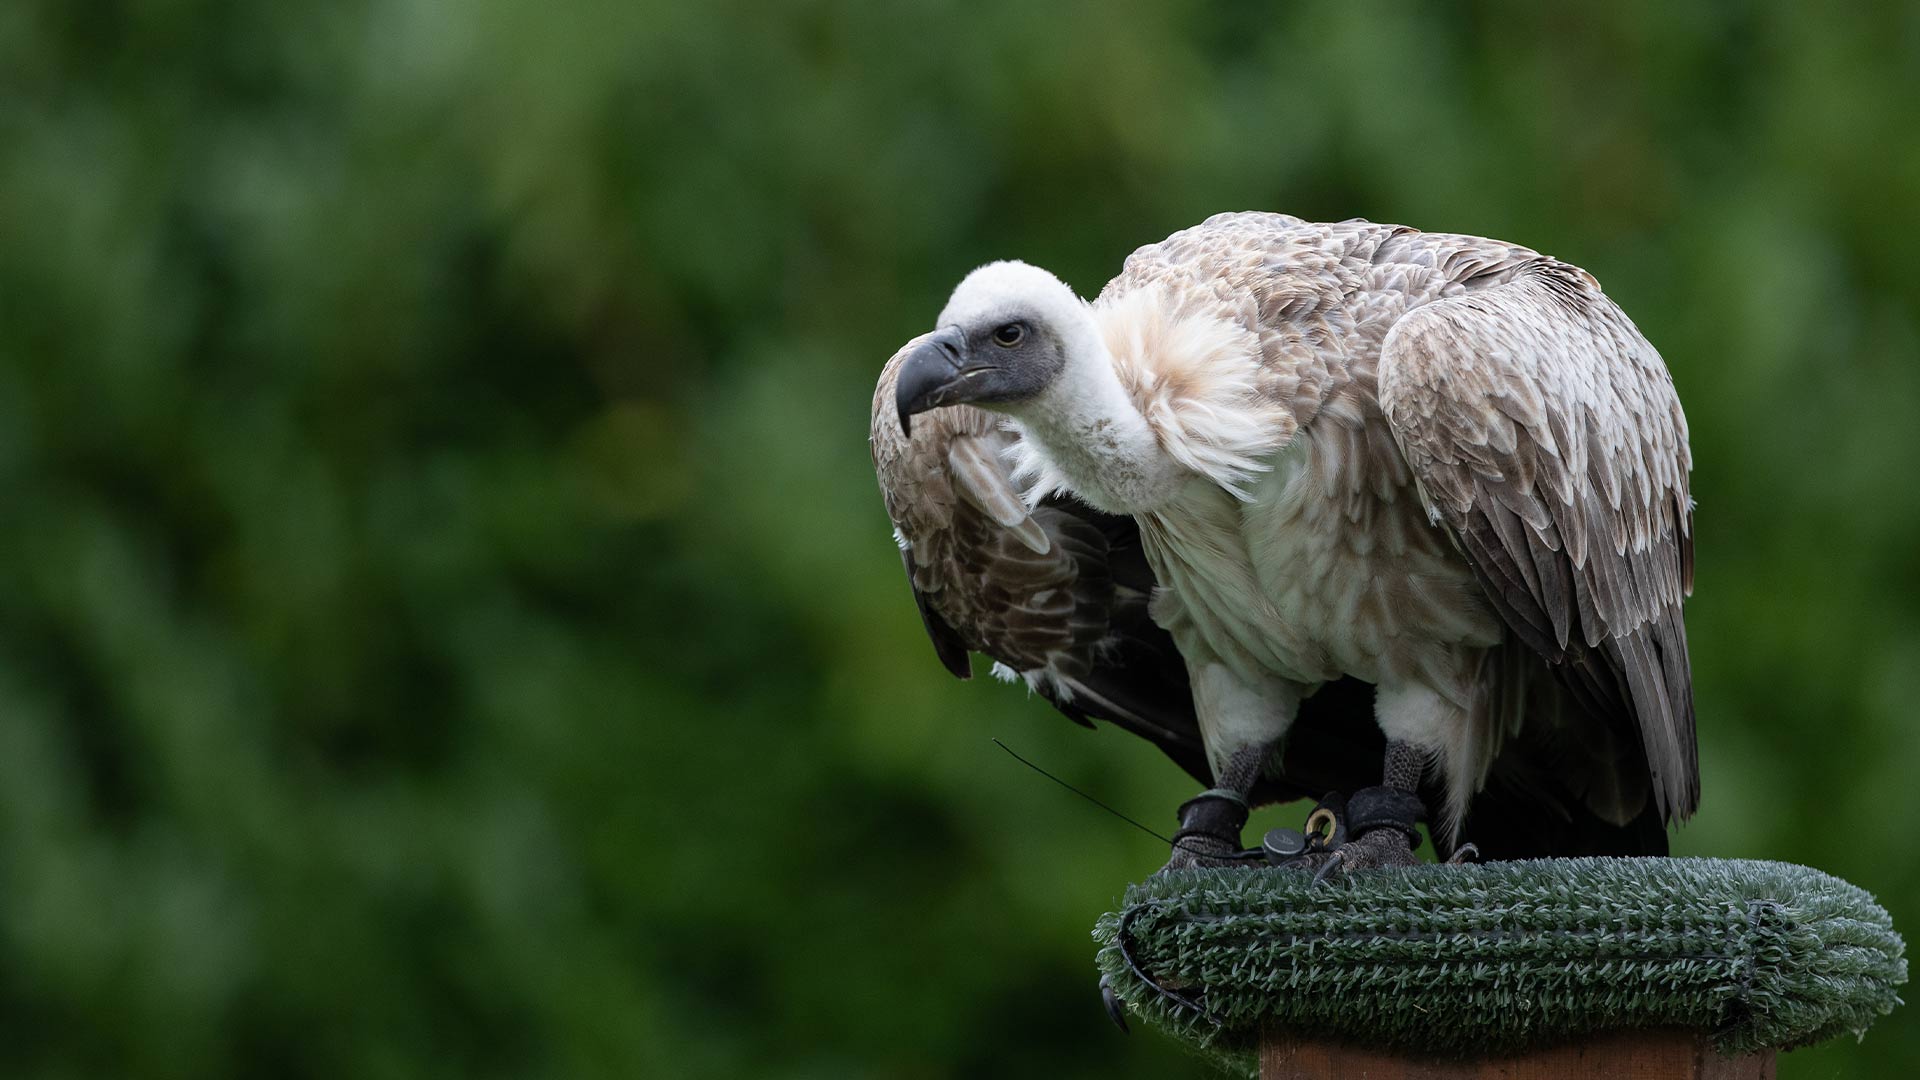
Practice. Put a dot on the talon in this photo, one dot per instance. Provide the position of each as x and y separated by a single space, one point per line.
1334 859
1116 1009
1464 854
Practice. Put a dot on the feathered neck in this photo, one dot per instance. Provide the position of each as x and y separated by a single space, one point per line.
1150 398
1085 435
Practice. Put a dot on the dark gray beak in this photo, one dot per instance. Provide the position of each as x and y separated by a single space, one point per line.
932 375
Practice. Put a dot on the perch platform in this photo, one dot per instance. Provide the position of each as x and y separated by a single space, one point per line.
1555 968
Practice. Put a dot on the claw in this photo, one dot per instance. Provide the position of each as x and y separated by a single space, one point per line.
1116 1009
1464 854
1335 858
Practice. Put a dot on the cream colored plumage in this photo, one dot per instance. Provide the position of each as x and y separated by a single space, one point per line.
1445 465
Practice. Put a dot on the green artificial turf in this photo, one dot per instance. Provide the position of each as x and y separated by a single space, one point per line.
1504 956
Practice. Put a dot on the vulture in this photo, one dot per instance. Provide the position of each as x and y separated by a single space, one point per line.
1442 468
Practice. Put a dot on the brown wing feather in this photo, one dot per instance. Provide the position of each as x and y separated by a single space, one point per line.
1003 582
1545 433
948 645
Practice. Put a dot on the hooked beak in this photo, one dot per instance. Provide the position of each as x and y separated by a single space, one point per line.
934 374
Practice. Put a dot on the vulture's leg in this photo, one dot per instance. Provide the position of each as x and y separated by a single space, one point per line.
1210 822
1382 823
1373 827
1243 722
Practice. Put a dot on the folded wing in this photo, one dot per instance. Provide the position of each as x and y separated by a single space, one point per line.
1546 436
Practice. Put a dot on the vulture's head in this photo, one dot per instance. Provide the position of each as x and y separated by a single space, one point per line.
1006 336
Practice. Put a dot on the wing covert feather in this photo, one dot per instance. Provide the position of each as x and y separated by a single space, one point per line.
1545 434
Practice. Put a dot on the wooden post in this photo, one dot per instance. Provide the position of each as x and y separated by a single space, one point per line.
1620 1055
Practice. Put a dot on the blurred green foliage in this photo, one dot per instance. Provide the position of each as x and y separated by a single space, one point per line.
447 627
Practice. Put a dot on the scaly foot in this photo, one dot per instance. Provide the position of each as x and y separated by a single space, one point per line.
1375 827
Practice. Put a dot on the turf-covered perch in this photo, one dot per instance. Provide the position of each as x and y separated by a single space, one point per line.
1505 957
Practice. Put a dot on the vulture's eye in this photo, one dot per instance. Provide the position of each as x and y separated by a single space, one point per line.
1009 335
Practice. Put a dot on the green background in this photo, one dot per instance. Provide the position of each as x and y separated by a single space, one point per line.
447 623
